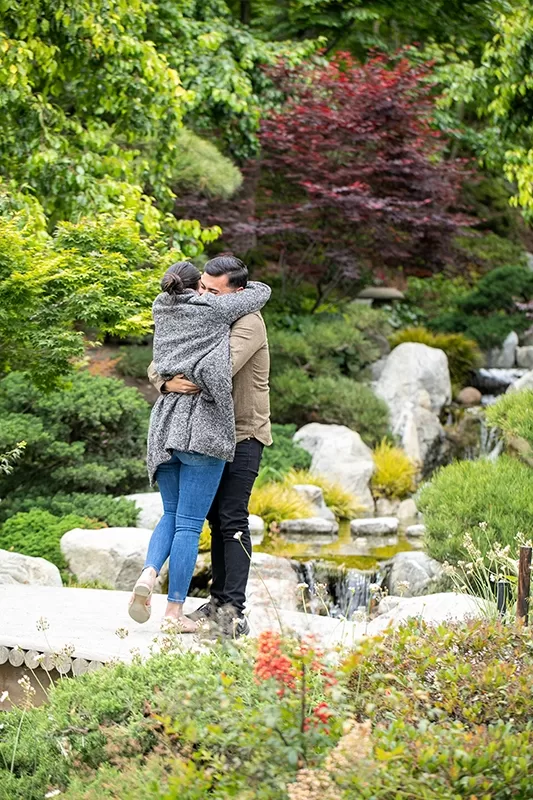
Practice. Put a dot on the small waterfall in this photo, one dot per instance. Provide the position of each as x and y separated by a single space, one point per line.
335 590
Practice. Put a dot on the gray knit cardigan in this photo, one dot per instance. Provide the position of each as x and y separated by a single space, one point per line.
191 336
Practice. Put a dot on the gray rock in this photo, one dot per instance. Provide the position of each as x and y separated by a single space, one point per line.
113 556
150 506
416 569
379 526
273 582
416 530
410 369
315 497
311 529
524 382
19 568
376 369
386 507
524 357
416 385
340 455
432 608
422 436
407 511
504 357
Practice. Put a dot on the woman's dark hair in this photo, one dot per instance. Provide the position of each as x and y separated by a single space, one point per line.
180 276
229 265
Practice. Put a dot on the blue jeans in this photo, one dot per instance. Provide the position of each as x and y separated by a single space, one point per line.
188 484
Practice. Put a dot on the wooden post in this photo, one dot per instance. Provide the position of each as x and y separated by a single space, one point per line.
524 583
501 597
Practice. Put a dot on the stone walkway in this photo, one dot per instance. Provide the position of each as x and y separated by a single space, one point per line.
83 623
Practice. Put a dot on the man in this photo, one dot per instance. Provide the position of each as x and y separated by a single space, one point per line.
231 553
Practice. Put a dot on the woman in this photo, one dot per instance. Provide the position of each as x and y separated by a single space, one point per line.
191 436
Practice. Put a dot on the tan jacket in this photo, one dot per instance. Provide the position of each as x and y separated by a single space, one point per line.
251 366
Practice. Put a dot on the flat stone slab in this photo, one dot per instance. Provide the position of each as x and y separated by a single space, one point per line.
378 526
416 530
86 621
311 529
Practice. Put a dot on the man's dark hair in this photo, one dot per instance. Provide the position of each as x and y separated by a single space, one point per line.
229 265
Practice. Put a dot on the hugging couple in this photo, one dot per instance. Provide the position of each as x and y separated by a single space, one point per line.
207 433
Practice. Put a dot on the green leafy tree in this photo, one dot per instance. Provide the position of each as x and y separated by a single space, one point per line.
94 275
92 111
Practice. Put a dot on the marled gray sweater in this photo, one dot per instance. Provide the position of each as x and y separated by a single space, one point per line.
192 337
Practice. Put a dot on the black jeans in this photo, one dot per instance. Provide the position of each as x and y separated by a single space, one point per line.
230 558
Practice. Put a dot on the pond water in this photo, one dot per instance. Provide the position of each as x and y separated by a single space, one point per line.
338 575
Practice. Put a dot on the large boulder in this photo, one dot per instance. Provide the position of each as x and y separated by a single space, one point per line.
411 574
150 508
432 608
504 357
273 583
308 530
339 454
113 556
18 568
416 386
257 528
411 368
315 497
524 382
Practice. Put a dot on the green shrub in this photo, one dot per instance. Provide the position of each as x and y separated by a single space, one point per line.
283 455
447 673
89 436
427 298
134 360
38 533
444 713
328 344
114 512
488 313
395 473
513 415
298 398
467 493
464 355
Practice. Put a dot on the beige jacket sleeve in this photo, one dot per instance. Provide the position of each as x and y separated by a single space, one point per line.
246 337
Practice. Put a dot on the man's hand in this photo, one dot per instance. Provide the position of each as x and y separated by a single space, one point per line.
180 385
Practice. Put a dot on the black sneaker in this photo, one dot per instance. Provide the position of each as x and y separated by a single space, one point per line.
231 624
207 611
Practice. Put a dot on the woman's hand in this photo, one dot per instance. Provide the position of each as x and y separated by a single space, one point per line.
180 385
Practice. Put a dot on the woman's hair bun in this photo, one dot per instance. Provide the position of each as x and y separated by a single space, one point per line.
172 283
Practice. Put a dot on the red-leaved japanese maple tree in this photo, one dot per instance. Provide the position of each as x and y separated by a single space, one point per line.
352 172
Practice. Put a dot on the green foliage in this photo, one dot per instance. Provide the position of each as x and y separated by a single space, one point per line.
464 674
467 493
38 533
327 344
100 275
134 360
445 710
426 298
464 355
274 502
395 473
343 504
115 512
89 436
82 150
335 400
487 313
283 455
513 415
